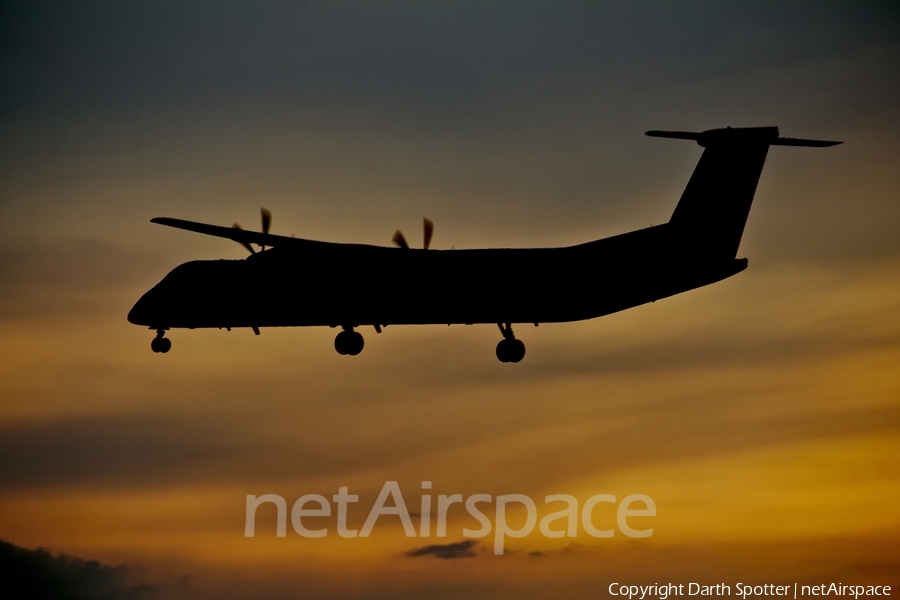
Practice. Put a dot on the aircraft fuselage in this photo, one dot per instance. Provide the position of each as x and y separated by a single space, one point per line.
352 285
297 282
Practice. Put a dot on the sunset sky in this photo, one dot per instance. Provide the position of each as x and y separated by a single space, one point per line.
761 414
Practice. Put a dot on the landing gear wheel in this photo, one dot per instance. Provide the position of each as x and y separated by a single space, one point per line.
159 344
340 343
349 343
356 343
503 351
510 350
516 350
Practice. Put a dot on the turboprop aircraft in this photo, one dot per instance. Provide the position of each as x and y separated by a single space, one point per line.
293 282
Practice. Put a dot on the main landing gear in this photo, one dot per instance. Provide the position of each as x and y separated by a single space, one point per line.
161 344
349 342
509 350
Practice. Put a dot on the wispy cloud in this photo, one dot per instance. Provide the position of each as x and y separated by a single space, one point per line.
464 549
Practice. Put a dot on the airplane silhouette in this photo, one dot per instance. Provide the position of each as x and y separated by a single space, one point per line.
295 282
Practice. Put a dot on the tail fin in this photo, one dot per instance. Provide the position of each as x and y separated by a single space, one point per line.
710 217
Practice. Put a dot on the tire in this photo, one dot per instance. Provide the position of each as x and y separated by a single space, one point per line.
503 351
355 343
340 343
165 344
516 350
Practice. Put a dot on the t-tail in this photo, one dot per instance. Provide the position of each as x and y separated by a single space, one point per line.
709 220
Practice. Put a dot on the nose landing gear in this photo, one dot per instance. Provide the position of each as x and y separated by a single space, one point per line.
161 344
349 342
509 350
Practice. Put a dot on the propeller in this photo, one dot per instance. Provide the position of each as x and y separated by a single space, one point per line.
266 216
428 231
399 239
244 244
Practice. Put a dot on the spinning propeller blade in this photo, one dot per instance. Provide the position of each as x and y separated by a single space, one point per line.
399 239
427 230
244 244
266 223
266 216
428 227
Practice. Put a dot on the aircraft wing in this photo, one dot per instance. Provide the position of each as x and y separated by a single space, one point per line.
241 236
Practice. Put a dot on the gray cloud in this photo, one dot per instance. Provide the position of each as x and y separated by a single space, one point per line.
464 549
29 574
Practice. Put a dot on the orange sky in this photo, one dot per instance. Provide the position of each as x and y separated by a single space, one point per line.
761 414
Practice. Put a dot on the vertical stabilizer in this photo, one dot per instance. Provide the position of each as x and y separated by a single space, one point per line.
710 217
709 220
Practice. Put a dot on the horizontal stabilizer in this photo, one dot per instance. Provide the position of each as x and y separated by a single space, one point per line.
741 135
809 143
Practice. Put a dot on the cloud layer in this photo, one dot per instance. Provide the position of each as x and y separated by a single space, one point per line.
760 413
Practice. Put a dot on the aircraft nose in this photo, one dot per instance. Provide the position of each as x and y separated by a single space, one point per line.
140 312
